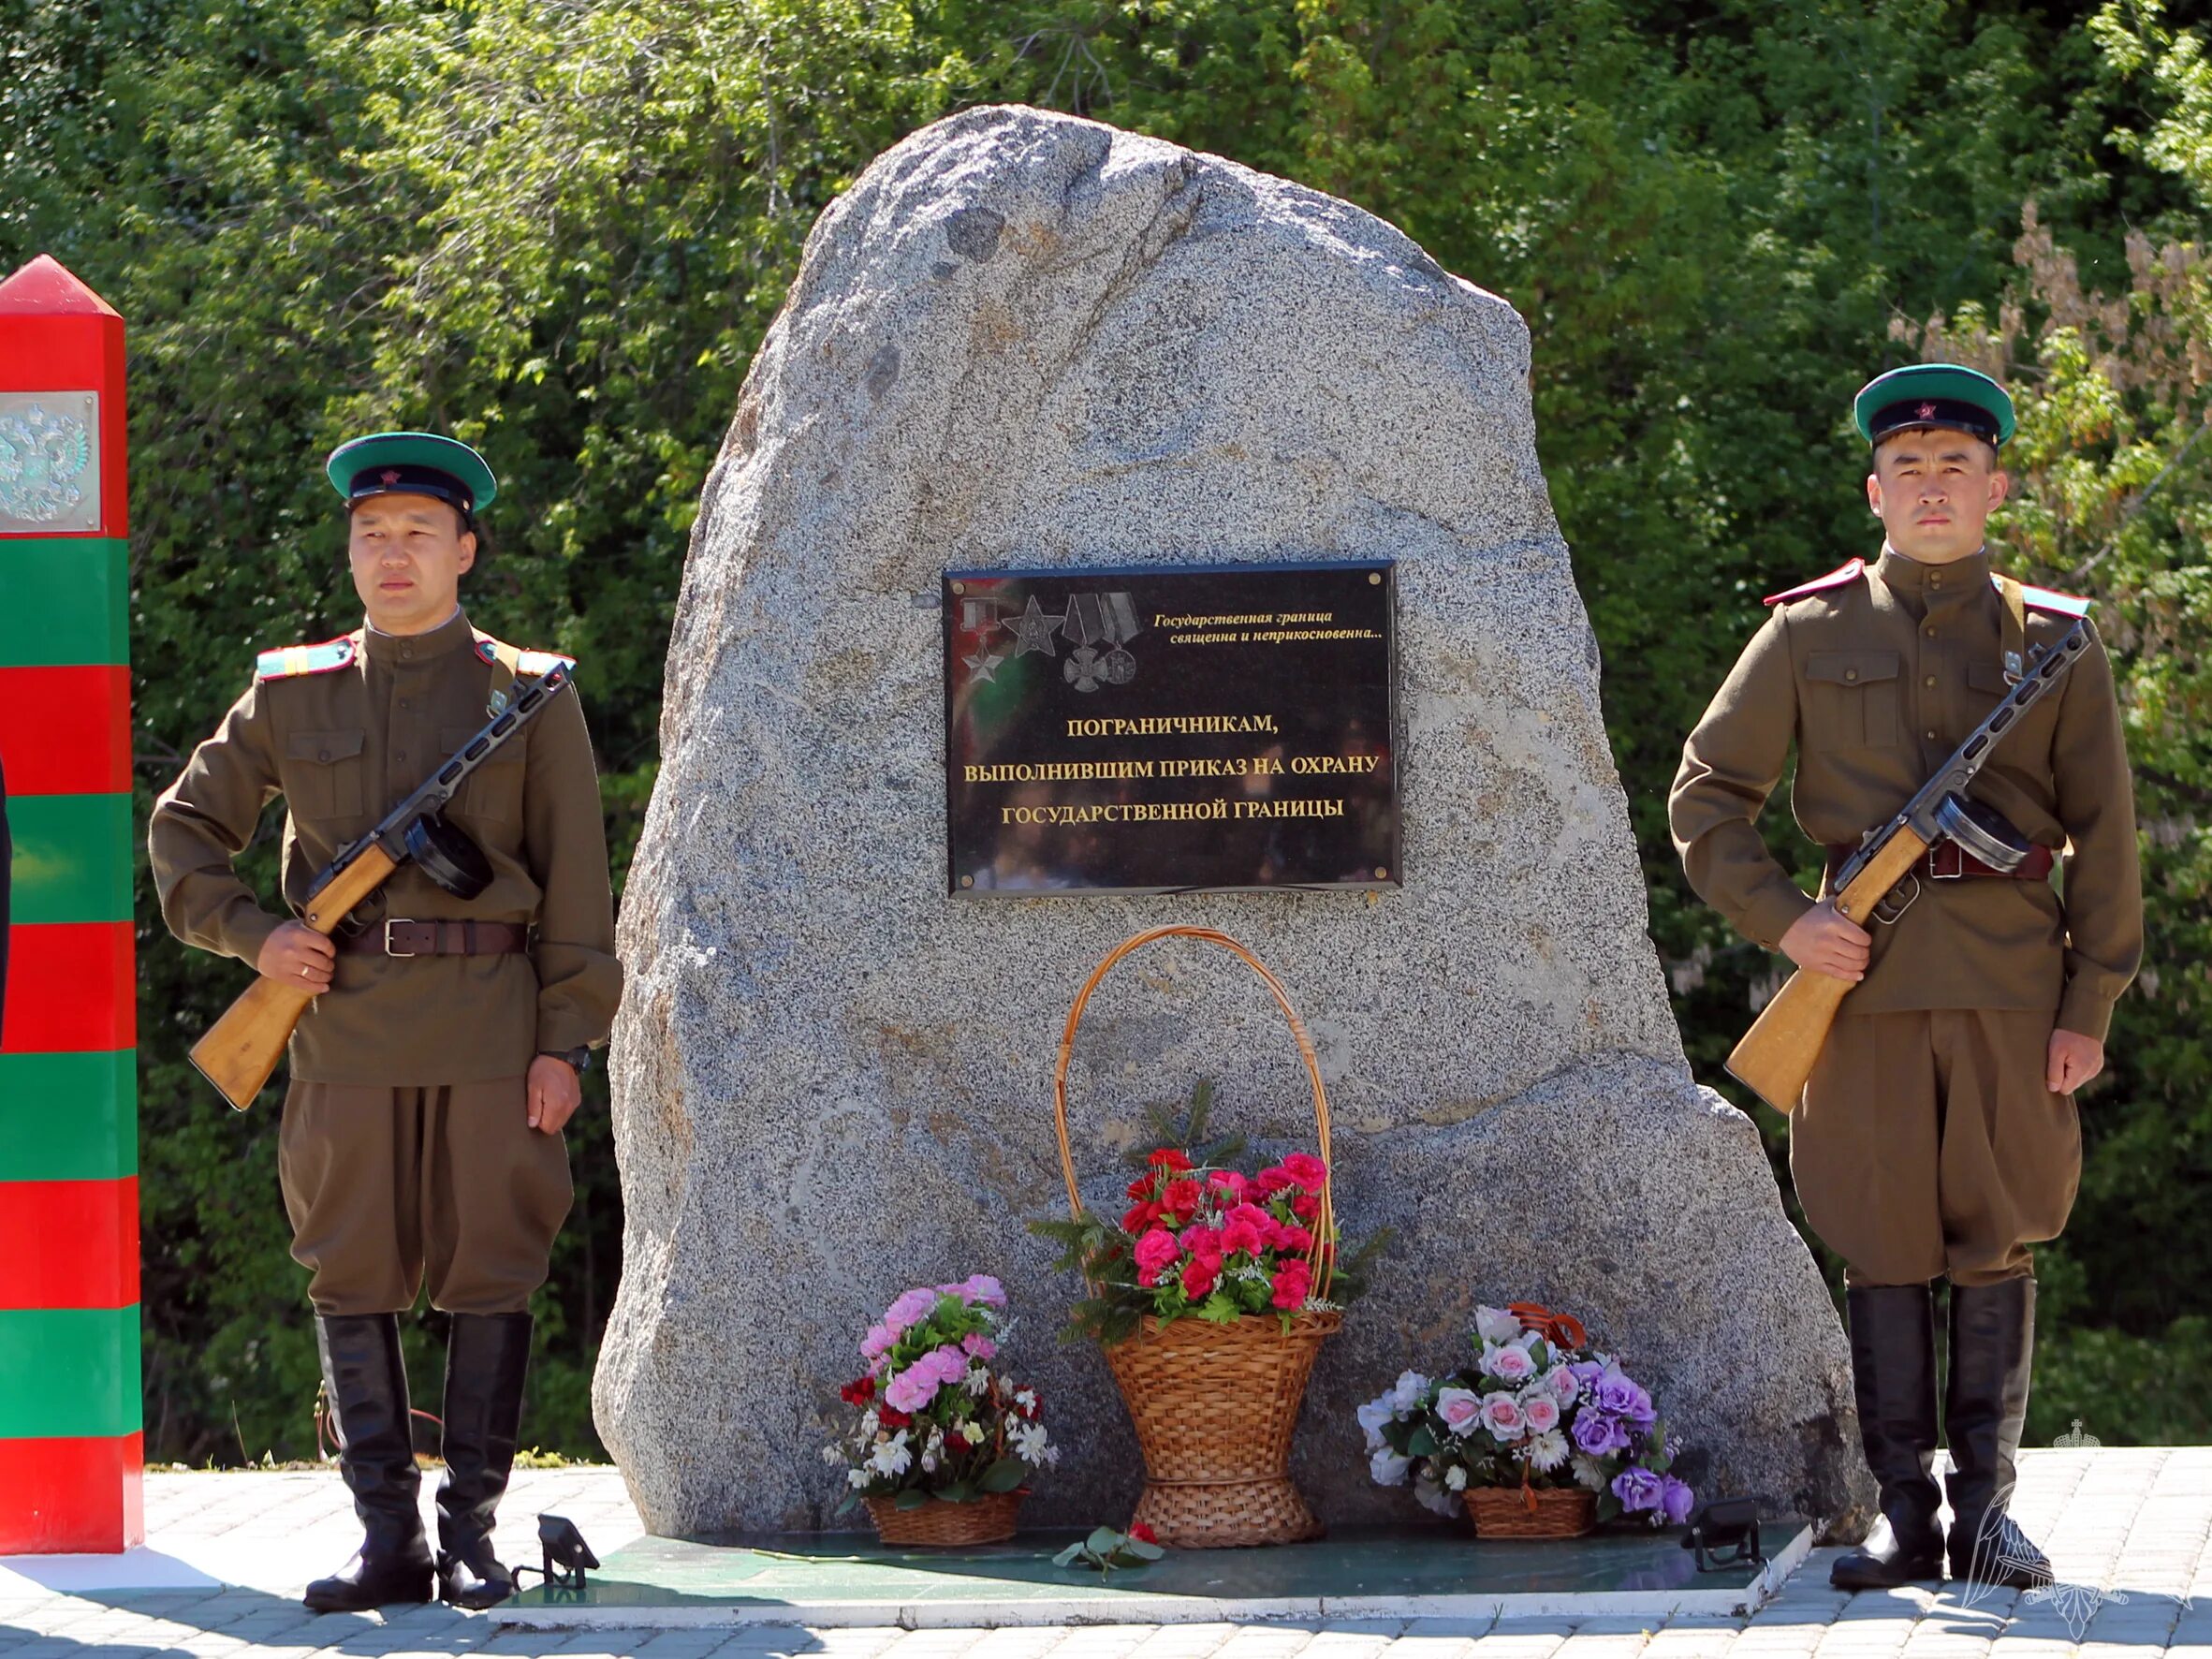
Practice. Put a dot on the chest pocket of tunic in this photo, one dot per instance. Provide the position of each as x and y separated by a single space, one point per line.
322 774
494 791
1852 697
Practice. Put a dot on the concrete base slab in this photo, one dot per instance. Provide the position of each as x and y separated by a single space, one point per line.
1388 1574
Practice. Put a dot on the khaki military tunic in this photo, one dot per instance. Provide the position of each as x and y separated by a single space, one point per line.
1926 1142
446 1178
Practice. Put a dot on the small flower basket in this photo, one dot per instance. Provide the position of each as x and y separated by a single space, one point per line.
1212 1300
1543 1437
940 1443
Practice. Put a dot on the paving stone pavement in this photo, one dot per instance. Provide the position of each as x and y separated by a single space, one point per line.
2128 1529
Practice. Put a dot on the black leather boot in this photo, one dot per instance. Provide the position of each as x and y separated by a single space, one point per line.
1984 1409
367 1381
486 1358
1893 1372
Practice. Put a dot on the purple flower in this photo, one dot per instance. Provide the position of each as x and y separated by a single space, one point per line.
1676 1500
1637 1489
1598 1435
979 1345
977 1289
1621 1396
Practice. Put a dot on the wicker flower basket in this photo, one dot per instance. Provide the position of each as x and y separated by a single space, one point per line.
947 1526
1214 1405
1531 1512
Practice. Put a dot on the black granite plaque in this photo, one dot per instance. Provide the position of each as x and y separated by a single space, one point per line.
1163 728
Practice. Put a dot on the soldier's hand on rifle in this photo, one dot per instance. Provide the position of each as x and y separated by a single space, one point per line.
298 955
554 1092
1826 943
2074 1060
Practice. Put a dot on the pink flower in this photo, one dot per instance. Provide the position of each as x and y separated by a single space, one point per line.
910 1309
1565 1387
1510 1363
913 1388
1503 1417
1290 1236
1228 1181
977 1290
1205 1244
1306 1170
979 1346
1306 1206
1539 1411
1247 1229
1200 1274
1156 1252
1293 1280
879 1341
1460 1408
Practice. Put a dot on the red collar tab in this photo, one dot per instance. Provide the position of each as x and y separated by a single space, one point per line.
1835 579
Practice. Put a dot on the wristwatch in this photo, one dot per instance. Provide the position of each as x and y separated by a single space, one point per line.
578 1058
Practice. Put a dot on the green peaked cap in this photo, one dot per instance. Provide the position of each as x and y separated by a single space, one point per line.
411 464
1947 395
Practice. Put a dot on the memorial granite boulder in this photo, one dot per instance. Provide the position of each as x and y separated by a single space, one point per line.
1023 341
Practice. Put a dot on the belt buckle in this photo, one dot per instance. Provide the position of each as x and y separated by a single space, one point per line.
395 921
1958 870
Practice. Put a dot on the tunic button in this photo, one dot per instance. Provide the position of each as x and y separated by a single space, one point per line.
1931 633
1851 674
406 653
1931 737
1929 681
1935 581
322 754
403 754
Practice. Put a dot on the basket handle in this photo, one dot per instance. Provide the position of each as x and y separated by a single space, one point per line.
1323 1270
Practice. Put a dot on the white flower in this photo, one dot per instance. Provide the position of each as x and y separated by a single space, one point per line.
869 1423
856 1477
978 1379
929 1463
1548 1450
1031 1446
1431 1496
1455 1478
1372 1416
1388 1467
972 1433
892 1457
1408 1393
1590 1472
1026 1398
831 1454
1494 1325
1559 1381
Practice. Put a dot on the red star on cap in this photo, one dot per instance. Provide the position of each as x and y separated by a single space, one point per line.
1927 412
391 476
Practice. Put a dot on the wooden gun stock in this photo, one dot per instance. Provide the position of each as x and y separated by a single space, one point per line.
1776 1054
240 1052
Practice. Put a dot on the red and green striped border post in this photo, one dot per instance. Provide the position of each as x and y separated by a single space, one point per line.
71 1412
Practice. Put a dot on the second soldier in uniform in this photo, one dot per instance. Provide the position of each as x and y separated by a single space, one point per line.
433 1075
1937 1136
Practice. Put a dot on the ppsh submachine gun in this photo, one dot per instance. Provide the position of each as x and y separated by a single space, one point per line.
241 1050
1776 1054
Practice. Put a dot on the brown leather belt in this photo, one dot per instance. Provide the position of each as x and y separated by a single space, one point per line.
405 936
1947 861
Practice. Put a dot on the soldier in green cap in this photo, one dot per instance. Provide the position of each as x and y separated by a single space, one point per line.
430 1078
1938 1135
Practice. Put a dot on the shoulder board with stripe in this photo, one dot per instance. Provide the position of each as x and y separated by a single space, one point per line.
527 663
2048 599
1835 579
289 661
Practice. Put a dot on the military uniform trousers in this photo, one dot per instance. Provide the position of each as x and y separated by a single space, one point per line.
1925 1144
387 1185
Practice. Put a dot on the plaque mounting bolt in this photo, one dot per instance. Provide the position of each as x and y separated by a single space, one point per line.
959 587
967 881
1382 873
1374 578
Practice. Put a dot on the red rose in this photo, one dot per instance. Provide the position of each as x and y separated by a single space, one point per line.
1167 1157
1142 1186
1182 1197
890 1417
1199 1276
958 1442
1205 1244
859 1392
1293 1280
1140 1216
1142 1533
1292 1237
1306 1170
1306 1206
